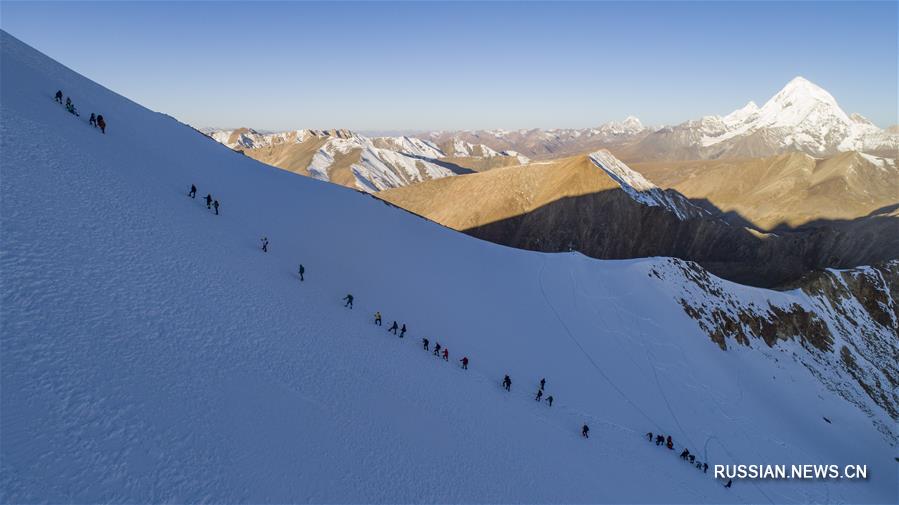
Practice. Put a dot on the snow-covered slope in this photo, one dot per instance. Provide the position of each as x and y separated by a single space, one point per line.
152 353
410 145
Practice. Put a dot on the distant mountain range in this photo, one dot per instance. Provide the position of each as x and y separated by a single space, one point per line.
802 117
367 163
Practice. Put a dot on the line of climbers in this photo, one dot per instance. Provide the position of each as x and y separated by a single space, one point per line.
507 381
443 352
684 455
210 203
95 120
507 385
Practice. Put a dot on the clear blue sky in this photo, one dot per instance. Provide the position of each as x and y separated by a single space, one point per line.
447 65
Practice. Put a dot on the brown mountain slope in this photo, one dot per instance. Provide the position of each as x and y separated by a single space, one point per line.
789 190
571 204
468 201
477 164
291 156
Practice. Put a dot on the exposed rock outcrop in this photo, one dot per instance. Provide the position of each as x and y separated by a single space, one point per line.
846 323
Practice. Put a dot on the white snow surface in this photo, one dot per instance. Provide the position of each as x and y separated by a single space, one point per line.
413 146
152 353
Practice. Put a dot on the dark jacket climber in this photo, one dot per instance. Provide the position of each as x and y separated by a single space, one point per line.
348 298
464 361
394 327
101 123
585 431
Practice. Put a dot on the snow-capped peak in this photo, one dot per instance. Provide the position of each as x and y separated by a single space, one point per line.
802 117
800 101
632 122
800 88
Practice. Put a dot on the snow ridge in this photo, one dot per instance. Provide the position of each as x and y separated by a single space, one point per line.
642 190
